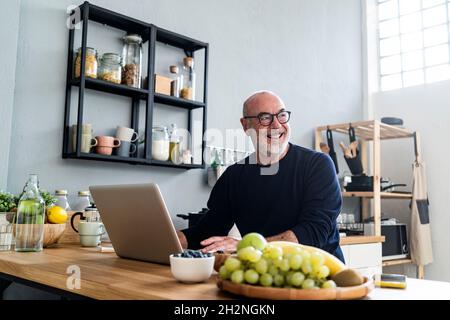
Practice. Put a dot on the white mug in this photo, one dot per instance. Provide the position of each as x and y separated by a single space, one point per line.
90 233
126 134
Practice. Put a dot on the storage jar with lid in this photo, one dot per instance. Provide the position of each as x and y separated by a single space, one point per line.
176 81
110 68
61 199
91 64
160 143
83 201
132 60
188 79
174 146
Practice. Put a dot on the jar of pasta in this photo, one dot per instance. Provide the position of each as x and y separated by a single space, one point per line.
110 68
90 65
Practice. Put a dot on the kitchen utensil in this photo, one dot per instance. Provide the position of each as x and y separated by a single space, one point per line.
332 153
347 151
392 121
259 292
324 148
365 183
351 154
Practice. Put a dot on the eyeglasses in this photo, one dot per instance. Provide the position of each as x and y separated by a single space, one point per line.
266 119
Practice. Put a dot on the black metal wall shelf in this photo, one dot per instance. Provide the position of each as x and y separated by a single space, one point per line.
105 86
152 34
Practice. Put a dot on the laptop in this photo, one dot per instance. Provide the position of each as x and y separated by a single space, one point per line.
137 221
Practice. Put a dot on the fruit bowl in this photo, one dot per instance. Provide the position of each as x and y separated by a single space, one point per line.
258 292
52 233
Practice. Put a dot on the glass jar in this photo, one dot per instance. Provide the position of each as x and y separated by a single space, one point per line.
176 81
188 79
110 68
160 144
29 225
83 201
132 60
61 199
174 145
91 64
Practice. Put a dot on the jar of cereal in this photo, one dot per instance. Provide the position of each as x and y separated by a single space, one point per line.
90 65
110 68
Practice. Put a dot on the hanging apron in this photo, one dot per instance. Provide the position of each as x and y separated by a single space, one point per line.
420 243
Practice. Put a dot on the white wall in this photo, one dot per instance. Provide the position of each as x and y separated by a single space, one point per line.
9 31
307 51
424 109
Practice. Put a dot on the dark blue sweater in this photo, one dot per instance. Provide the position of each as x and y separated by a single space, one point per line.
301 194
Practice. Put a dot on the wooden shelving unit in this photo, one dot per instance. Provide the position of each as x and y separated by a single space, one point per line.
383 195
396 262
373 131
151 34
361 239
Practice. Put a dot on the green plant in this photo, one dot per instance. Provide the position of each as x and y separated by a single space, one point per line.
8 201
48 198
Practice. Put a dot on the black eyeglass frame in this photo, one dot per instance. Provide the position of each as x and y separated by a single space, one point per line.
272 115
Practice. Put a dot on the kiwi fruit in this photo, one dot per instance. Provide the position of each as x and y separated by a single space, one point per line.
348 278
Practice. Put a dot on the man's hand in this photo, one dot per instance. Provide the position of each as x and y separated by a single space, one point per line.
285 236
219 243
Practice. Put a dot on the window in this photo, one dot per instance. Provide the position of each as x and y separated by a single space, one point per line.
413 42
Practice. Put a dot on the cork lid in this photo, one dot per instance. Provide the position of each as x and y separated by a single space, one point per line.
84 193
174 69
188 61
61 192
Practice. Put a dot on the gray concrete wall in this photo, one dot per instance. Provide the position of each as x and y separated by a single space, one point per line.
309 52
9 31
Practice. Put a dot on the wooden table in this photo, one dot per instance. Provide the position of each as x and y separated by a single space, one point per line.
106 276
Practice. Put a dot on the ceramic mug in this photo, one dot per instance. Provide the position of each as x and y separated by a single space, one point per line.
126 149
126 134
106 144
87 142
90 233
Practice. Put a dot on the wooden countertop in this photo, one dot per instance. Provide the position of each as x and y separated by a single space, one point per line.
106 276
360 239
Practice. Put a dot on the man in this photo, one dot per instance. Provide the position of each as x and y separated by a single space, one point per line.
287 193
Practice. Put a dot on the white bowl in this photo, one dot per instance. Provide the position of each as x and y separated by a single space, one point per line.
191 270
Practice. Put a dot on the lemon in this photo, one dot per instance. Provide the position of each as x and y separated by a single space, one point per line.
56 214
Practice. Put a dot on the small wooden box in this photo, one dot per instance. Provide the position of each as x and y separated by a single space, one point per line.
162 84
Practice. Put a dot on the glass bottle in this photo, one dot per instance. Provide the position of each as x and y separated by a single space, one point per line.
83 201
160 143
29 226
132 60
61 199
188 79
91 65
110 68
175 84
174 147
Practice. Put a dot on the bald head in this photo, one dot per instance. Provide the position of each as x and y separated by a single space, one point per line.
260 99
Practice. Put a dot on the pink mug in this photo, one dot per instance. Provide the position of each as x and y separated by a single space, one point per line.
106 144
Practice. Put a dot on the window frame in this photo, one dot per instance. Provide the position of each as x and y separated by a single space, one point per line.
422 49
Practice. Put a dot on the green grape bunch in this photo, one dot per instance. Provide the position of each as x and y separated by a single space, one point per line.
263 264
